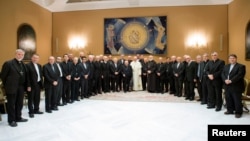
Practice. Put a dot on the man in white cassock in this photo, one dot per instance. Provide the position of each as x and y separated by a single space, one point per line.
136 69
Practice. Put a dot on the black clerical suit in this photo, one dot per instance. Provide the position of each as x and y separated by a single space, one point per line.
190 76
151 81
84 80
91 80
114 75
98 77
75 81
14 80
105 77
35 81
160 79
144 75
234 90
120 62
167 76
178 71
202 83
51 73
66 70
127 74
171 78
215 86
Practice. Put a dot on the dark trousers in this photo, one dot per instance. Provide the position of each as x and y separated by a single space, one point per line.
120 81
178 86
234 102
34 98
189 87
214 95
15 104
204 90
172 85
66 91
84 87
199 88
75 89
126 83
160 85
106 84
90 86
186 89
166 84
50 98
98 85
115 83
144 82
59 90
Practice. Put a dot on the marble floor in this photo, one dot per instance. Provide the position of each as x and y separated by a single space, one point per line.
104 120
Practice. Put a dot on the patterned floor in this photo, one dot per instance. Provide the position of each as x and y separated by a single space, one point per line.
142 96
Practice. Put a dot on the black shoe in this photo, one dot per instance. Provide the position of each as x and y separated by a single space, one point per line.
38 112
77 100
217 109
198 99
31 115
186 98
210 107
22 120
60 104
238 115
13 124
228 113
48 111
64 103
202 103
55 109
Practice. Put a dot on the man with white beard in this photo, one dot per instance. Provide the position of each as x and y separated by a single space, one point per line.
136 70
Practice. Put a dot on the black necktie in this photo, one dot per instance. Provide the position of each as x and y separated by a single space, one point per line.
21 68
52 66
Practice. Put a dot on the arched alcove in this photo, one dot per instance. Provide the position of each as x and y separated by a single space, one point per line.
26 40
248 41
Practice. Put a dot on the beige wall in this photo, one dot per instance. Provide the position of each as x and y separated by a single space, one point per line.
239 16
15 12
183 20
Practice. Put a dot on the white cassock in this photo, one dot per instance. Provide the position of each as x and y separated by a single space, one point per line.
136 68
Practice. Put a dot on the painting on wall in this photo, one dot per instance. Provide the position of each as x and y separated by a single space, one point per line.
135 35
26 39
248 41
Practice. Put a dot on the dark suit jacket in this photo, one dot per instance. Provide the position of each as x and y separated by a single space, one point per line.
114 69
127 71
179 70
91 69
98 69
11 76
49 75
66 69
32 75
76 71
236 75
162 70
105 69
191 71
84 71
151 66
215 68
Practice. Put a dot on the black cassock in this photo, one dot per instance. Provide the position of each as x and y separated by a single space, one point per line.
151 66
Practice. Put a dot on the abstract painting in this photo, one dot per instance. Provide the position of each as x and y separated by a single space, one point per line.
135 35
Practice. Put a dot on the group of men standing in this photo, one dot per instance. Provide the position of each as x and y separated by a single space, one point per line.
67 79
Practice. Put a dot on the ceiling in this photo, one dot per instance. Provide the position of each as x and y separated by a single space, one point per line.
76 5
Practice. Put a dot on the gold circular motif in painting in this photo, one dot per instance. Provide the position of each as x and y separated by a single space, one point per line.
134 36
